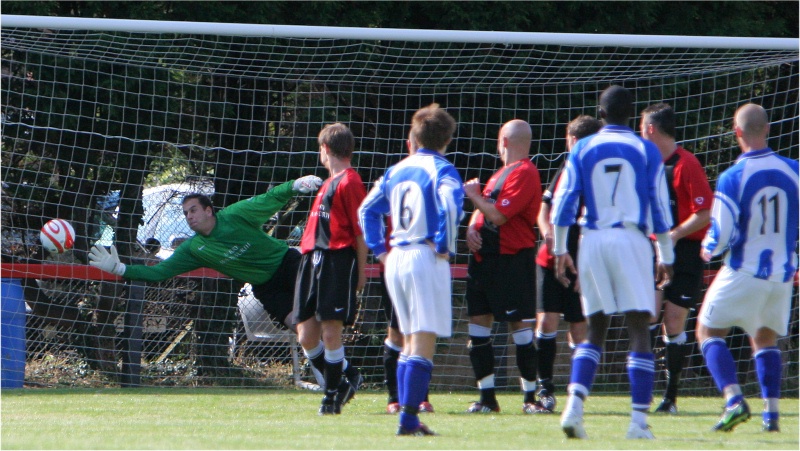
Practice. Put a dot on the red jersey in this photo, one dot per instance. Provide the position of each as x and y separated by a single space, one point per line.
689 191
516 192
333 219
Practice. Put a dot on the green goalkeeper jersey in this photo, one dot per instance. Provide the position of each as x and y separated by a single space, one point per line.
237 246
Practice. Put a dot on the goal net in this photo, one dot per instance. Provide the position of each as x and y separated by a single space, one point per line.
108 123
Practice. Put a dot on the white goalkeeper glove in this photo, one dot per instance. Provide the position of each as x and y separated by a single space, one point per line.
307 184
100 258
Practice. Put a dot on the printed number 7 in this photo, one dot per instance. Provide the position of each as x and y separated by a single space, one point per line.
618 169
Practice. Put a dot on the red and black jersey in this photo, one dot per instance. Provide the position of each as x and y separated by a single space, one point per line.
544 257
333 219
516 192
689 191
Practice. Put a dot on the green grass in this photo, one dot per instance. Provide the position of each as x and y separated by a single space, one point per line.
261 419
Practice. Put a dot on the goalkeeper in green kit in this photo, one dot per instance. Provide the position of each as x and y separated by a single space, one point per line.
232 242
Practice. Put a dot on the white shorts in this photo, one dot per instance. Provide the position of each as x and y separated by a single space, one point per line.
419 285
615 267
741 300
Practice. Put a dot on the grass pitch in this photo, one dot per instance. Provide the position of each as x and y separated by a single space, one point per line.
154 418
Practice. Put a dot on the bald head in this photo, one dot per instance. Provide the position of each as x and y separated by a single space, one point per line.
752 120
751 126
514 140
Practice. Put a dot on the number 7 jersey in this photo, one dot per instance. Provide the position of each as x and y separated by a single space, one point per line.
755 216
620 177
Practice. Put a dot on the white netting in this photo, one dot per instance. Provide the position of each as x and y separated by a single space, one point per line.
91 118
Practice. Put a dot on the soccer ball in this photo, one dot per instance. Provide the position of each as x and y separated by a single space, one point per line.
57 236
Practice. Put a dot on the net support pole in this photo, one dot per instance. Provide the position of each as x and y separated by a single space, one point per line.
130 375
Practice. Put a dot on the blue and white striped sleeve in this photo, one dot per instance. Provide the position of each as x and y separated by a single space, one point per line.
659 194
567 194
565 202
724 217
451 211
371 218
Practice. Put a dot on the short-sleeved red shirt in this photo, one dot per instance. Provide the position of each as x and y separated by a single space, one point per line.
692 192
333 219
518 199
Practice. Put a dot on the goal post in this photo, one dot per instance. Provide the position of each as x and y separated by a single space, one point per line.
107 122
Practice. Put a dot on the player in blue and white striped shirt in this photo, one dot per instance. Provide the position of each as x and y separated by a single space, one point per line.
754 221
621 178
424 197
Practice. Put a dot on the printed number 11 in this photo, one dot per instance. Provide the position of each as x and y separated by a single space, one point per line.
765 212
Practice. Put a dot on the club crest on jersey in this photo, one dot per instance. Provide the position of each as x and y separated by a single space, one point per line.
505 202
699 200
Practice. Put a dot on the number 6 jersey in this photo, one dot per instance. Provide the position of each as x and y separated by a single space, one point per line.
423 194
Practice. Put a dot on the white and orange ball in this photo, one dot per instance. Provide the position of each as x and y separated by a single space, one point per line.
57 236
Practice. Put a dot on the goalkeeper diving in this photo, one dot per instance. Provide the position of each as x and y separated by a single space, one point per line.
232 242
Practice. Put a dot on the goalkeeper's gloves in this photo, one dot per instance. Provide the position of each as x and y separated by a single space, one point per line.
307 184
100 258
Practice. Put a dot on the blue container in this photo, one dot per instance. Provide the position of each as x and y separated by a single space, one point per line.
12 333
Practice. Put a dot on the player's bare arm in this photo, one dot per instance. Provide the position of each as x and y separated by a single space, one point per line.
474 240
693 223
565 263
664 274
472 189
543 221
361 255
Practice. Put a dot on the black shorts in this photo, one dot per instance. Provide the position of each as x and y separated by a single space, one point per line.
386 303
503 285
326 286
552 297
687 280
277 294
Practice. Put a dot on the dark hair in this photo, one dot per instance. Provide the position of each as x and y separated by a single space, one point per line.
204 200
432 127
583 126
616 105
339 139
662 116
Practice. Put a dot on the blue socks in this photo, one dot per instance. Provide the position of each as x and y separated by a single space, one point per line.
768 368
584 365
415 381
641 373
721 365
402 363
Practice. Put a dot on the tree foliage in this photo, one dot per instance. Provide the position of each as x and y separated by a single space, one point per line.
117 111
